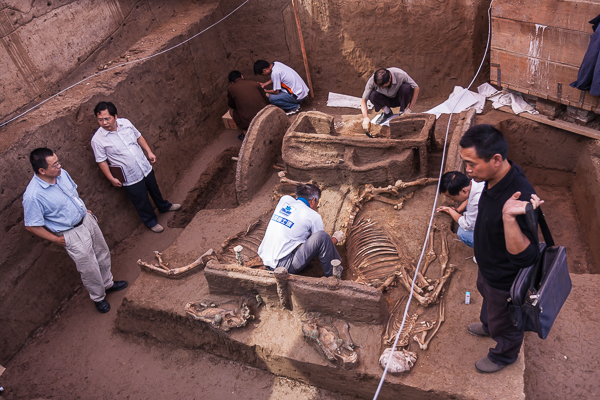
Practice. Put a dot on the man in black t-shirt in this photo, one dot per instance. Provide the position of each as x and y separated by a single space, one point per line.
503 242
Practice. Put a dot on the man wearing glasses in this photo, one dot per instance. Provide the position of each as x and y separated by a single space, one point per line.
119 146
54 211
388 88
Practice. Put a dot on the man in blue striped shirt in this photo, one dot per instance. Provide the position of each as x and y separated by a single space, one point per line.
54 211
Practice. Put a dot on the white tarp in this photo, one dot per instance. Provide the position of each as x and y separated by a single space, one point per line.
459 100
343 100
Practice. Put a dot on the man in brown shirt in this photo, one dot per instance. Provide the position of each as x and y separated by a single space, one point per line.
246 98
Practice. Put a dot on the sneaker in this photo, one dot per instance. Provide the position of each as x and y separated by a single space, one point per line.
384 117
487 366
476 329
294 111
102 306
157 228
474 260
174 207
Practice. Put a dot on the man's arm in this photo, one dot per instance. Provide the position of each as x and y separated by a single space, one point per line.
40 231
106 171
271 91
230 101
462 207
144 145
414 99
267 83
450 211
516 241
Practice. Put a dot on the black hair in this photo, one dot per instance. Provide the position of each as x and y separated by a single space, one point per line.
105 105
234 75
486 140
308 191
453 182
381 77
260 65
37 158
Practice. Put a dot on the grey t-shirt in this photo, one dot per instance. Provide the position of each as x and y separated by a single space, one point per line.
398 78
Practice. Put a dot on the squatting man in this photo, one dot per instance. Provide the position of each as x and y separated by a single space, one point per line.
295 234
55 212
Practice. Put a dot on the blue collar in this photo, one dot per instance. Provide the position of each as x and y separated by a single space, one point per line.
302 199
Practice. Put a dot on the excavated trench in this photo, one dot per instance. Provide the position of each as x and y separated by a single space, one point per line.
176 100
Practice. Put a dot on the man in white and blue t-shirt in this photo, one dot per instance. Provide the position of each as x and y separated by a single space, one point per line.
295 234
289 90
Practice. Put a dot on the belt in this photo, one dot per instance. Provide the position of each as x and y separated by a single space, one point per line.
79 223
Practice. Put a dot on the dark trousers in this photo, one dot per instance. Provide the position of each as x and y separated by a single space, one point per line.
138 193
318 244
496 321
402 99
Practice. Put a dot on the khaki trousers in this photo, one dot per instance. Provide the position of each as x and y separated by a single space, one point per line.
87 247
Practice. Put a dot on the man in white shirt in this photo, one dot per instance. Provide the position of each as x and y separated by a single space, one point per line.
289 90
295 234
457 187
119 144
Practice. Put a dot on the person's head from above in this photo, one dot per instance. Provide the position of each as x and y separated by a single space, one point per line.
310 192
456 186
45 163
382 78
262 67
106 114
484 150
234 76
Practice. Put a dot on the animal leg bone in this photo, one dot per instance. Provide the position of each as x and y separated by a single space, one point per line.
444 255
430 255
442 310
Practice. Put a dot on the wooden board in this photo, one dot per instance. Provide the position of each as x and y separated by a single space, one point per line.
567 14
567 126
559 45
540 78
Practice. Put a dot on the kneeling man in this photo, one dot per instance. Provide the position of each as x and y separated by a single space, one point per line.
295 234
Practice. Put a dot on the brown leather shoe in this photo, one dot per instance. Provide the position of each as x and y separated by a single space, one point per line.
487 366
476 329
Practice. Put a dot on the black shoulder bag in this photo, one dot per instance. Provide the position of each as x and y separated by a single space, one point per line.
539 291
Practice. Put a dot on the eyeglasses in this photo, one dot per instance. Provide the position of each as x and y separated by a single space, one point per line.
56 165
105 119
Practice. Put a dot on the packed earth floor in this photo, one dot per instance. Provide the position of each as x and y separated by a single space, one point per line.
80 353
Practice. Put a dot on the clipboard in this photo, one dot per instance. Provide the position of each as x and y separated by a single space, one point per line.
117 172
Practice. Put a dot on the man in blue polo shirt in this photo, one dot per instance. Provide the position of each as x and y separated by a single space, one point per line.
54 211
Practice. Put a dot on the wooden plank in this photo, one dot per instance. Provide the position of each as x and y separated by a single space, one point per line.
549 43
540 78
567 126
566 14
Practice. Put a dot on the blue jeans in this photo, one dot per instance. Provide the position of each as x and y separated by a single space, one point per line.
284 100
465 236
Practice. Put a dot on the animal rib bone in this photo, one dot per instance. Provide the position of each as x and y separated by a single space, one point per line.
162 268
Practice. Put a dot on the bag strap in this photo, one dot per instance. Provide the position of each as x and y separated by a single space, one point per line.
530 216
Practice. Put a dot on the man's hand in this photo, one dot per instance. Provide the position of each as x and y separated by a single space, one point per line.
366 124
151 157
514 206
60 240
116 182
262 85
338 236
407 111
445 209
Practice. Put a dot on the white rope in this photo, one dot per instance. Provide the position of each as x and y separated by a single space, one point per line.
122 65
433 209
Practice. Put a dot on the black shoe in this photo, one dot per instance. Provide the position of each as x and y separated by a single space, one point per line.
384 117
102 306
117 285
241 136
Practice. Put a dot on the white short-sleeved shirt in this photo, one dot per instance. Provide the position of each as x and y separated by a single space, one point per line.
467 221
121 148
291 224
284 76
